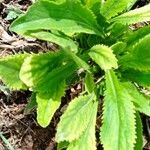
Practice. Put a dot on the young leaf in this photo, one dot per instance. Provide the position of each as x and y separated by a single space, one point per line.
9 71
69 17
137 15
103 56
42 71
58 39
118 129
87 140
141 102
48 103
139 133
76 118
139 57
111 8
89 83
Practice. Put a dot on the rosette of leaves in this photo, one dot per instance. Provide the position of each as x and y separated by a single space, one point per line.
93 36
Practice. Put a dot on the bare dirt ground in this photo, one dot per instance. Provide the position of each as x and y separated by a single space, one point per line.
20 128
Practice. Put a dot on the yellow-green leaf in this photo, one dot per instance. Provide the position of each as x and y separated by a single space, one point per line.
118 128
137 15
104 57
9 71
41 71
76 118
48 103
87 141
111 8
61 40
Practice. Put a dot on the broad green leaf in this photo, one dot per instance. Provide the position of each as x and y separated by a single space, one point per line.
118 128
142 78
48 103
139 133
141 102
111 8
103 56
137 15
58 39
139 57
42 71
87 140
69 17
89 83
76 118
9 71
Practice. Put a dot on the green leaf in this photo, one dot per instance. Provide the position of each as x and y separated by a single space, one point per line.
137 15
90 3
80 62
134 37
62 145
48 103
141 102
76 118
117 30
58 39
142 78
89 83
31 104
69 17
118 129
94 5
9 71
139 133
103 56
42 71
139 57
46 74
131 4
118 47
111 8
87 140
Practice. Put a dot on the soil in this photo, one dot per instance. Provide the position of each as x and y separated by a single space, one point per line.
19 128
